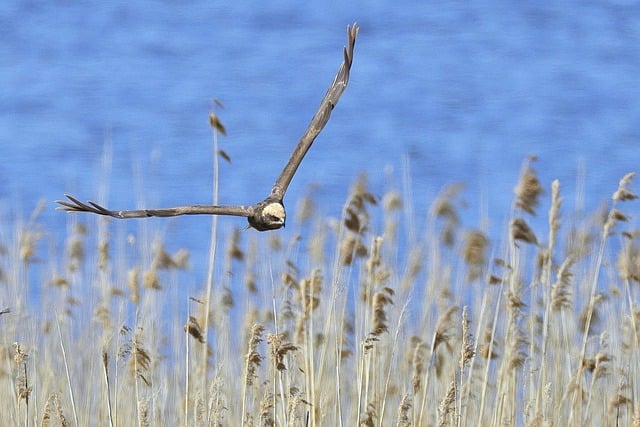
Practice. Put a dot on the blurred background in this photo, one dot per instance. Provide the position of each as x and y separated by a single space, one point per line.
109 101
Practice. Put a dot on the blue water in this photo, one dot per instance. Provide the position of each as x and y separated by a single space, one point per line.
465 91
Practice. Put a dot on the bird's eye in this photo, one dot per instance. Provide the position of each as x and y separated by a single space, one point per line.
274 218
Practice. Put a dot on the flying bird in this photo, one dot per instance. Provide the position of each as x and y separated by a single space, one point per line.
268 214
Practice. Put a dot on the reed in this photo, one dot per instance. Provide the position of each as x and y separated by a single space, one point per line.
384 316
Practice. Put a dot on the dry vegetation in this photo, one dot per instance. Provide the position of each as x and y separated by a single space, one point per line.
361 320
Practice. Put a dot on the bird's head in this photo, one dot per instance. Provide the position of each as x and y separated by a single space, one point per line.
268 215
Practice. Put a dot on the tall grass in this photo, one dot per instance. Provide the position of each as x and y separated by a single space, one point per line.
367 319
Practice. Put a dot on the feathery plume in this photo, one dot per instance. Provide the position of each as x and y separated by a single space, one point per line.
520 230
528 189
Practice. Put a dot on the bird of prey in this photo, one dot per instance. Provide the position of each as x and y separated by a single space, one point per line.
268 214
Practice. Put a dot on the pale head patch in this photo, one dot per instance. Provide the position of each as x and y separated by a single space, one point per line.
274 210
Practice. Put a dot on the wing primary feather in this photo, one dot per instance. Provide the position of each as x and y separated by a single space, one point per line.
320 118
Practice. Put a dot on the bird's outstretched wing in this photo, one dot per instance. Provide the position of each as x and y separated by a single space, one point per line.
320 119
75 205
268 214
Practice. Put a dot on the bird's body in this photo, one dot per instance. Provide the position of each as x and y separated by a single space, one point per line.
268 214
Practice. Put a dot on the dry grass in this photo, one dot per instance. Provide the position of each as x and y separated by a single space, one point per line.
355 321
